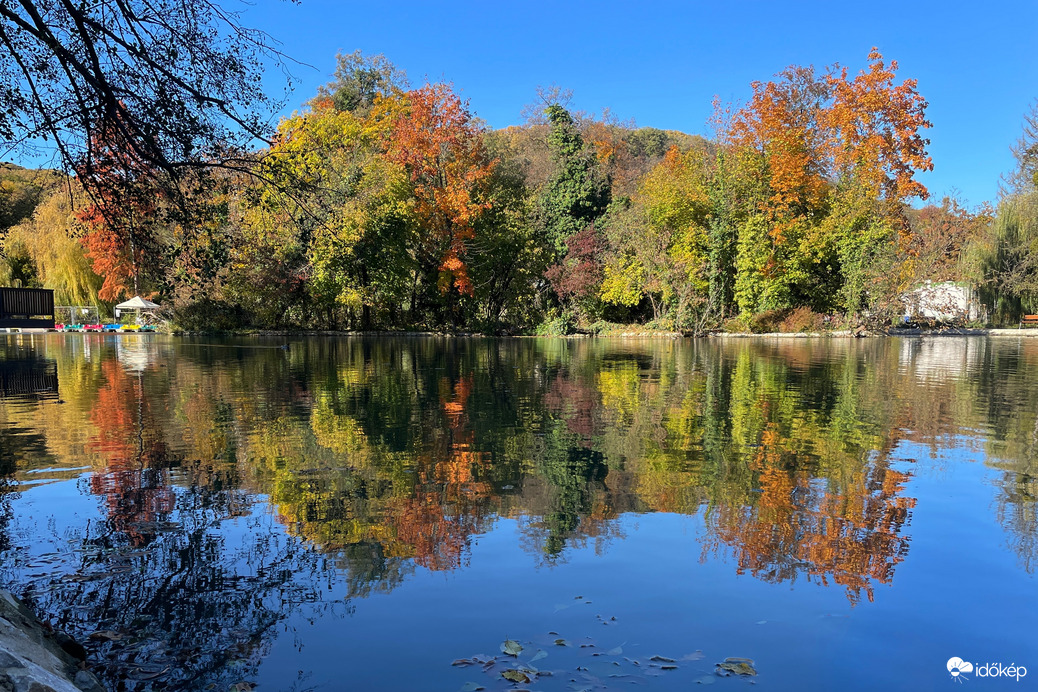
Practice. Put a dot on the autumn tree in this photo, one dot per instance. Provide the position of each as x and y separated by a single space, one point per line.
437 142
1003 259
838 158
360 80
346 219
121 238
664 258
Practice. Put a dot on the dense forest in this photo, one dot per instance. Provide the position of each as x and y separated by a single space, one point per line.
380 205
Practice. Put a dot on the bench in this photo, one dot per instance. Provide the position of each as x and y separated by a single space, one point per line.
1029 321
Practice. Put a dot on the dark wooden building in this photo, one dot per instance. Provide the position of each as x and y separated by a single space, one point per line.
27 308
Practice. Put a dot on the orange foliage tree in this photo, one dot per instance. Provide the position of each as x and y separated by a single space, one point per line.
835 160
435 138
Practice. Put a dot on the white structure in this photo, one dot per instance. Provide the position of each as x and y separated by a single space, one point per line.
946 301
138 305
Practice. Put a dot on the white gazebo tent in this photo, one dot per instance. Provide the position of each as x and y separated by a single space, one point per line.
138 305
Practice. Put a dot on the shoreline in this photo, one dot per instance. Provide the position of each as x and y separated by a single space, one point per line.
838 334
633 334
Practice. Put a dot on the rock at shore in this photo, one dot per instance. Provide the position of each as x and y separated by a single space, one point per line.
35 658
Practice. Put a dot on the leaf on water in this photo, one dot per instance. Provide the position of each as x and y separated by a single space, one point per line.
151 674
694 656
562 642
471 687
463 662
541 653
616 650
669 667
662 659
511 647
106 635
513 675
736 666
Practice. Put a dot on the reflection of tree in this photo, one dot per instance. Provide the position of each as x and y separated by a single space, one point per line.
571 476
189 606
1018 513
133 480
818 501
850 535
447 505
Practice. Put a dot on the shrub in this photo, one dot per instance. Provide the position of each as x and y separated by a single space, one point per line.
736 325
802 319
768 321
556 323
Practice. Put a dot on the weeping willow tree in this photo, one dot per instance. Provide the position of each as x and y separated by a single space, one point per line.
1004 261
48 241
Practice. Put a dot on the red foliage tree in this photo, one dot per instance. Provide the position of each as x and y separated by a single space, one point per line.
120 239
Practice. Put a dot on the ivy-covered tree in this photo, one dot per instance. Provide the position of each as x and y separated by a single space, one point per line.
576 194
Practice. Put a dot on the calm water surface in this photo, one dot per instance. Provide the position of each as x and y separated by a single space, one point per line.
357 514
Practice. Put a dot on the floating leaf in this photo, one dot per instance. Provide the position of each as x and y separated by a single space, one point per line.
513 675
511 647
662 659
615 651
669 667
736 666
106 635
562 642
541 653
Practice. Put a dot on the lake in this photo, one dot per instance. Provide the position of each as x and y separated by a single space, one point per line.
407 513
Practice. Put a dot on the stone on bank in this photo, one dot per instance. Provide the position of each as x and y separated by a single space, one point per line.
35 658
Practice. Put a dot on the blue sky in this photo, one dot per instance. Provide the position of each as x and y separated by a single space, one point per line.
662 63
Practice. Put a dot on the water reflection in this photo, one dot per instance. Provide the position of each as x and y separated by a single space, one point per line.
379 457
